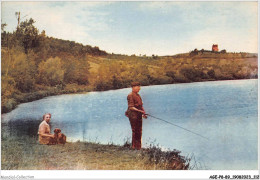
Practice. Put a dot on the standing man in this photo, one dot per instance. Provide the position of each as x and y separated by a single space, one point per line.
135 112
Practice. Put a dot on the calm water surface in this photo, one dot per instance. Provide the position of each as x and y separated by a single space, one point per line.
223 111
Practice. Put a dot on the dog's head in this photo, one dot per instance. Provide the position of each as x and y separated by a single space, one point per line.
57 131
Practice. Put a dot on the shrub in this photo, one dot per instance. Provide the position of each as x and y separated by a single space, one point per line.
8 105
171 160
51 72
211 74
193 74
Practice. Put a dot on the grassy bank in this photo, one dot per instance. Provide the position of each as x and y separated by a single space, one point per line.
24 153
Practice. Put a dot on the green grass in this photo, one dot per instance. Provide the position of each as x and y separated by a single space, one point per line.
24 153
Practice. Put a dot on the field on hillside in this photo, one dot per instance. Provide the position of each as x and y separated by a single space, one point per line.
118 71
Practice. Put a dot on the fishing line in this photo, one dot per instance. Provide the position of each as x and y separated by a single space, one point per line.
176 126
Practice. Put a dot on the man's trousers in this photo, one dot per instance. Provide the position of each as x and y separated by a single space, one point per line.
136 125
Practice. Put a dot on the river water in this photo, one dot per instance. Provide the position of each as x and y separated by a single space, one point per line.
226 112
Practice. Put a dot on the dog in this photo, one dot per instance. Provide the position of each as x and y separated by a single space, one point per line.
52 141
59 137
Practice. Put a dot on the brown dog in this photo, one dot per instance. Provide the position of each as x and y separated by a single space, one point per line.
52 141
59 137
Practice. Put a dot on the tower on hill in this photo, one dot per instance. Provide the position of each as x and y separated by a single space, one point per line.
215 48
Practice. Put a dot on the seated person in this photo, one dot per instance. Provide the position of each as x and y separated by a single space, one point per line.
45 137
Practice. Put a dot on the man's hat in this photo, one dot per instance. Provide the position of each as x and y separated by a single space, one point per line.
135 84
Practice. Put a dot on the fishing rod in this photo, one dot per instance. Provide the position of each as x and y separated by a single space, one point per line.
176 125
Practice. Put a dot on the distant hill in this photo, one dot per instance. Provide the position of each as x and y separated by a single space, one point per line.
210 54
56 46
35 66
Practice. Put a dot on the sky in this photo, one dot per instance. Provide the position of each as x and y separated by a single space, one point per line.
144 27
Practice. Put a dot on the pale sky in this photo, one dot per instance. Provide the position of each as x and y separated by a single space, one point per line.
159 28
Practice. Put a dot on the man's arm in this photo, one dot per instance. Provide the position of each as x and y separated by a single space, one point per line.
135 109
144 114
131 104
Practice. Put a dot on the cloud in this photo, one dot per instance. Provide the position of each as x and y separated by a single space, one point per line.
74 21
65 20
195 12
232 25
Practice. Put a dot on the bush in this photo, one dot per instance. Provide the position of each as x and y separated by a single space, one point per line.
181 79
211 74
160 80
74 88
193 74
103 86
171 160
171 74
8 105
51 72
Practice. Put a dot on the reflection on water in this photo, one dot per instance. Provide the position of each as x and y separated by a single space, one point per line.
224 111
20 127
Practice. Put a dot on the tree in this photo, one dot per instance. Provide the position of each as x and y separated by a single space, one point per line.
211 74
192 74
223 51
82 71
24 73
18 67
171 74
76 70
51 72
4 36
116 83
194 52
3 27
27 34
